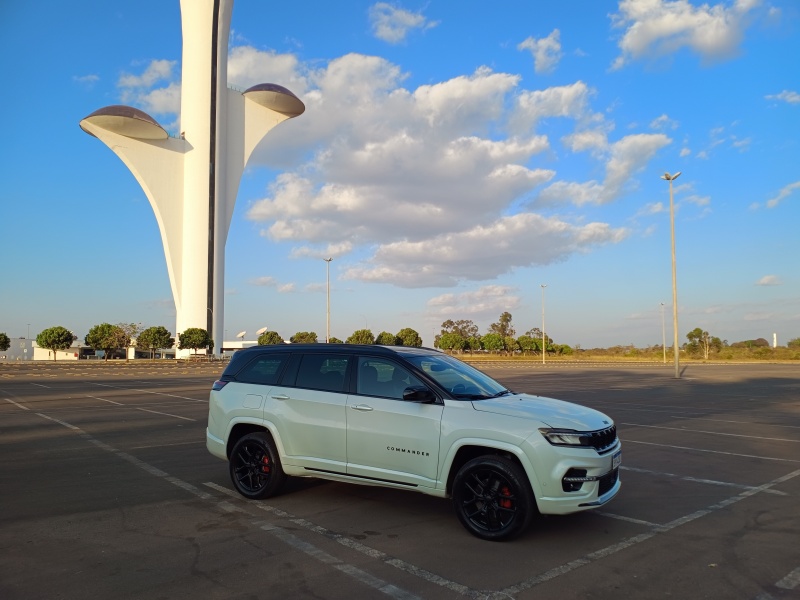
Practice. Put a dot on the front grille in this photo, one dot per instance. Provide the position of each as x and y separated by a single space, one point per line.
601 440
607 481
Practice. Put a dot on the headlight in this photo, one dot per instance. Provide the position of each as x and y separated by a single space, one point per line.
564 437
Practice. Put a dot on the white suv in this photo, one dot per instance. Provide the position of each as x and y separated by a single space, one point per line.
409 418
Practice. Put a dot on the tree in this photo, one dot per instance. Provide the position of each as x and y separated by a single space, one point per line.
56 338
386 339
304 337
503 326
492 342
362 336
270 338
529 344
409 337
5 342
700 340
154 338
794 343
335 340
195 338
452 341
131 331
106 337
464 328
510 344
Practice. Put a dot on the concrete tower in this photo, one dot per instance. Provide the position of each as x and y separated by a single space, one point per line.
192 181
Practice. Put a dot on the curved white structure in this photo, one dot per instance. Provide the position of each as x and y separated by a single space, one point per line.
192 181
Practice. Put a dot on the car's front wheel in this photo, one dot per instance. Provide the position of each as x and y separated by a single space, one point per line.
255 466
492 498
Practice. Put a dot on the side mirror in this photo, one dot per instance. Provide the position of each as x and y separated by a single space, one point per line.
419 394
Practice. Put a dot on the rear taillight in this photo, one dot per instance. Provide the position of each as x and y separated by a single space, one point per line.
218 385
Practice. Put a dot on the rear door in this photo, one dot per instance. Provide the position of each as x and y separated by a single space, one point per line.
388 438
308 411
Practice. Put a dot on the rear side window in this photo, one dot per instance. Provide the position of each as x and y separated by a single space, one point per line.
264 370
322 372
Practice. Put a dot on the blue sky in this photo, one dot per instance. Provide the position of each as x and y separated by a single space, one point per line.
451 160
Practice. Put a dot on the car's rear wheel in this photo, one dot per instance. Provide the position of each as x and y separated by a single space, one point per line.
255 466
492 498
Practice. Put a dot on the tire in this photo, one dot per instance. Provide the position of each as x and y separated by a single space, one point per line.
492 498
255 466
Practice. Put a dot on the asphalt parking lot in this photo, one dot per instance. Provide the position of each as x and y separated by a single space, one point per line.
107 490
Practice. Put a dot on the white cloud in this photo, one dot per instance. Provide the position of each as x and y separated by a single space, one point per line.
625 157
422 187
263 281
156 71
88 80
248 67
786 96
652 208
663 122
785 192
546 51
770 280
568 101
595 140
656 28
487 302
482 252
392 24
685 152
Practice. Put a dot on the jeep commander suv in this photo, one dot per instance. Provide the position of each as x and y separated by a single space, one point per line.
409 418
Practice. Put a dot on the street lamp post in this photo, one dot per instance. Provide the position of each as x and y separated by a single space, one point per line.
663 335
671 178
544 337
328 303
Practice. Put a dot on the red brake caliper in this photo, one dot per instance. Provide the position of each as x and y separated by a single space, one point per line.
265 464
505 502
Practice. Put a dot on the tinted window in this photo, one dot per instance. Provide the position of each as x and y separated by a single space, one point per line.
264 370
322 372
382 377
458 378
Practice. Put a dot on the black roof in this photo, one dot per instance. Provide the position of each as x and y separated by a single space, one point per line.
339 349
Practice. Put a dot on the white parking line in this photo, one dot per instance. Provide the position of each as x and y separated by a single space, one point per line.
791 581
156 412
698 480
357 546
614 548
117 387
738 435
309 549
17 404
790 460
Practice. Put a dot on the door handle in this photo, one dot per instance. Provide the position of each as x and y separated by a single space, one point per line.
361 407
280 397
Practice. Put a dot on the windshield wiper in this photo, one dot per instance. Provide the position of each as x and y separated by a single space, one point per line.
502 393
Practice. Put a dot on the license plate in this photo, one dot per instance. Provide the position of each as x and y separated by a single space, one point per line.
616 460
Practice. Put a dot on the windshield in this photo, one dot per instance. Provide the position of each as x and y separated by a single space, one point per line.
458 378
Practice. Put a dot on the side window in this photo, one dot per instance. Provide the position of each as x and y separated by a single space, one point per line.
322 372
382 377
263 370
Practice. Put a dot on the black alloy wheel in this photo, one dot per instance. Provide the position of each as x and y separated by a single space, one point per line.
255 466
492 498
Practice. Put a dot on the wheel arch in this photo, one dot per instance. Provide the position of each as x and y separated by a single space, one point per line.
241 429
468 451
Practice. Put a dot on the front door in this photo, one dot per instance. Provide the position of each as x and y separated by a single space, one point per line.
388 438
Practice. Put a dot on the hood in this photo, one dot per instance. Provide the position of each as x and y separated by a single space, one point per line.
548 411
